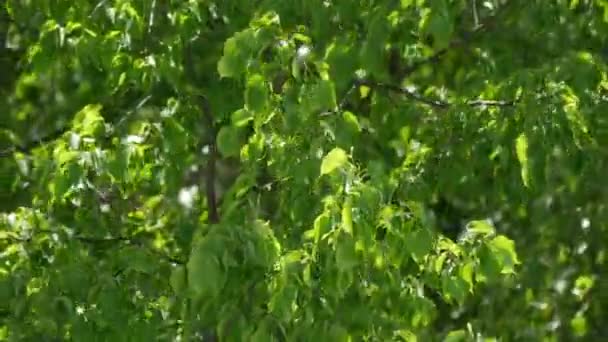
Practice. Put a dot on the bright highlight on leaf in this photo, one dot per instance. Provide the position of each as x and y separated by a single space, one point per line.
521 149
89 121
347 216
504 249
480 227
335 159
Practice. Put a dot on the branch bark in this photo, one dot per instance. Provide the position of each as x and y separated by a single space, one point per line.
210 174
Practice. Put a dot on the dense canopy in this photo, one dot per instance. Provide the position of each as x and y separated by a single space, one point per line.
286 170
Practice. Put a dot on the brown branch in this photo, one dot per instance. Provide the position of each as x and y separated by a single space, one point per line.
210 175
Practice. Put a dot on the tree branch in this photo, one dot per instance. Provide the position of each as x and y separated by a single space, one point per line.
210 176
408 93
492 103
438 103
26 148
90 240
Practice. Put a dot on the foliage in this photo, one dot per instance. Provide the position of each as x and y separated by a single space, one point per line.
300 170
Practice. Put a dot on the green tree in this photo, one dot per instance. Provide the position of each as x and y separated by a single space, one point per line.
299 170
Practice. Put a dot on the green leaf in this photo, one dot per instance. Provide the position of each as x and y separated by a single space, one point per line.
407 335
489 265
372 51
320 227
480 227
466 273
205 275
521 149
347 215
351 121
338 333
582 285
455 288
406 3
237 52
178 279
256 94
229 141
325 95
89 121
261 334
456 336
419 243
437 22
504 249
346 256
139 260
579 325
342 59
268 247
335 159
241 117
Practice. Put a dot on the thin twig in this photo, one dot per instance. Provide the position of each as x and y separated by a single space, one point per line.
492 103
433 102
26 148
408 93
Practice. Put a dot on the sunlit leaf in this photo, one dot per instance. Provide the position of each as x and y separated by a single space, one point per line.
521 149
504 249
335 159
347 216
456 336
